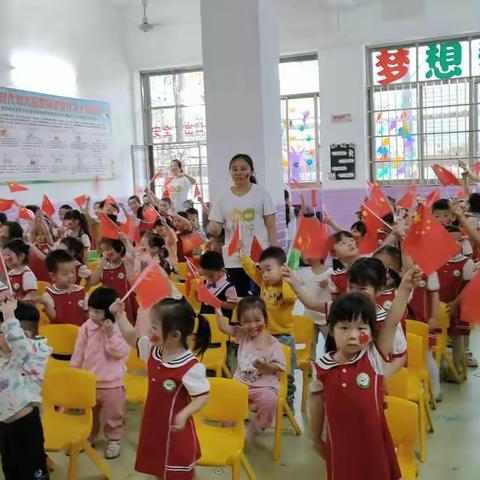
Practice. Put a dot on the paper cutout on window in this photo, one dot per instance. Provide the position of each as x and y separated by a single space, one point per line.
444 60
392 64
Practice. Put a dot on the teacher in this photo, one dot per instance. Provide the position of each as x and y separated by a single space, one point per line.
252 206
178 185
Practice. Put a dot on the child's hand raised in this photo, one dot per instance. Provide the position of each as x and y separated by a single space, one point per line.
8 305
288 275
117 307
412 278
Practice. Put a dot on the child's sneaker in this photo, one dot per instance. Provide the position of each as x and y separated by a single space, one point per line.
471 360
112 450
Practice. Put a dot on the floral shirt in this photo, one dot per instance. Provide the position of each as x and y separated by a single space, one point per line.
22 370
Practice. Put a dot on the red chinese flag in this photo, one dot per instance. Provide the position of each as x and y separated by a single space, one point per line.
157 175
47 206
369 242
192 274
445 176
372 222
165 192
428 242
108 228
311 238
150 215
378 203
26 214
256 249
476 167
151 286
205 296
408 200
233 246
432 197
197 193
296 184
131 230
470 301
80 201
191 243
16 187
6 205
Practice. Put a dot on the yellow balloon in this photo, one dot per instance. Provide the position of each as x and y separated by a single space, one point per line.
386 141
292 138
285 163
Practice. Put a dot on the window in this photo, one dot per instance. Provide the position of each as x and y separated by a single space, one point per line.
300 119
174 119
423 108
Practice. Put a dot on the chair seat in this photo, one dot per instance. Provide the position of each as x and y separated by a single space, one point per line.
73 429
414 388
219 446
136 388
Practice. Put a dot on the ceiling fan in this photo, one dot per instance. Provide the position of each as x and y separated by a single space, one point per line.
146 26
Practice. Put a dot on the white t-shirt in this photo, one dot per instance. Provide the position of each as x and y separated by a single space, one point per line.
249 209
311 282
178 188
84 238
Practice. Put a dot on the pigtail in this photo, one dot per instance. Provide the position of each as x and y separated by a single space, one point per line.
330 345
203 335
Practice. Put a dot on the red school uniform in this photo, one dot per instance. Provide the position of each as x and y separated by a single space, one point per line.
70 303
338 282
23 281
161 452
359 445
38 266
116 277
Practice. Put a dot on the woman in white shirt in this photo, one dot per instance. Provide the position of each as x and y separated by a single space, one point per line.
178 185
251 205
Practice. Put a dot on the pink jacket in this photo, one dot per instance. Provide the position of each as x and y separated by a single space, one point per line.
104 356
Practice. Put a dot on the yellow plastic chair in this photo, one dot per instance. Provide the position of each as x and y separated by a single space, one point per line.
181 269
71 389
402 420
42 287
61 338
93 288
181 287
92 266
215 357
136 382
227 403
419 365
406 385
304 332
440 349
282 407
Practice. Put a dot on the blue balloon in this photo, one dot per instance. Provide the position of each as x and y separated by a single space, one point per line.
309 162
295 164
400 131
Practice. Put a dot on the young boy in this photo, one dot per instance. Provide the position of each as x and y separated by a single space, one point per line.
64 301
22 365
192 217
279 298
212 268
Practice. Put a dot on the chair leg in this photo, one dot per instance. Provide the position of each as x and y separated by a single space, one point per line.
433 400
292 419
100 464
236 469
73 465
51 464
422 427
247 466
304 389
226 371
277 444
428 416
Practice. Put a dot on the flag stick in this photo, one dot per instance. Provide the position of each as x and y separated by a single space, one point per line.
379 218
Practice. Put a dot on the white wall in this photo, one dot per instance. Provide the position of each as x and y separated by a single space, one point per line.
86 34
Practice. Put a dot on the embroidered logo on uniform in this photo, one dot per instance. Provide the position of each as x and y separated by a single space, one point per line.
121 275
169 385
387 305
16 286
363 380
457 273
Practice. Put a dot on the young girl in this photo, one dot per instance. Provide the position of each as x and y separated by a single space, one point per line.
315 278
114 272
75 248
101 349
41 244
22 279
260 360
77 226
391 258
178 387
347 391
344 251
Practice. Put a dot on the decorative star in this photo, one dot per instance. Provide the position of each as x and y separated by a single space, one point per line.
417 218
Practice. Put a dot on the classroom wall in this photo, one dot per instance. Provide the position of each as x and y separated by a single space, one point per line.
86 34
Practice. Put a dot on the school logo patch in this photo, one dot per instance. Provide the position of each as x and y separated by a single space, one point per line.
457 273
16 286
387 305
121 275
363 380
169 385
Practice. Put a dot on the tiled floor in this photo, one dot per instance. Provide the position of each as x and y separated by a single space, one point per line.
453 450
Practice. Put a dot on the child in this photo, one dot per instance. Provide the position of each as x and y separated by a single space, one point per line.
213 269
260 360
344 251
183 228
114 272
192 217
178 387
101 349
391 258
64 301
315 278
75 248
279 298
163 229
41 244
22 279
77 226
10 231
347 390
23 358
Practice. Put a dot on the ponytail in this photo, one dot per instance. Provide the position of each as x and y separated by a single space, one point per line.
203 336
330 345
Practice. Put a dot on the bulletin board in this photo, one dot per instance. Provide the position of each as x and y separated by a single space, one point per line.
342 161
56 139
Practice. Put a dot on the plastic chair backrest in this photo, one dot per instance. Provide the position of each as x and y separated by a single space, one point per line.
443 320
419 328
135 363
303 329
181 287
397 384
42 287
93 288
60 337
228 401
402 420
217 335
69 388
92 266
181 269
282 391
415 351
